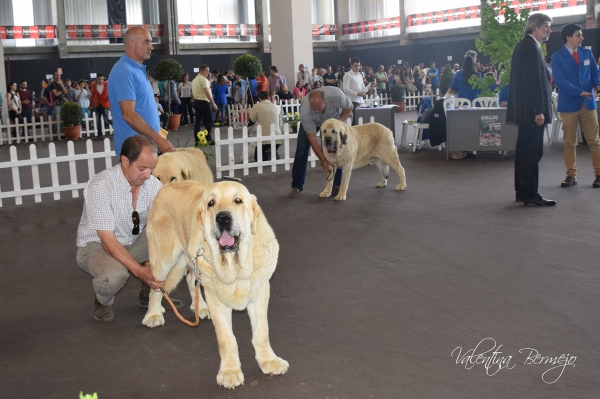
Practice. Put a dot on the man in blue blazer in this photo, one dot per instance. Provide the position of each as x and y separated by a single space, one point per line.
529 106
577 77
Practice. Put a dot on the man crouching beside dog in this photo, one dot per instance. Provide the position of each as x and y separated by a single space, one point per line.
111 238
320 105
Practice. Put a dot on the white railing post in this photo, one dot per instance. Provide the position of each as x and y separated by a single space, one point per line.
35 173
54 170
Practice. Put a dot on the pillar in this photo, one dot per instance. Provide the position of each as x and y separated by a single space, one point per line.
342 17
291 37
3 84
168 18
61 27
262 19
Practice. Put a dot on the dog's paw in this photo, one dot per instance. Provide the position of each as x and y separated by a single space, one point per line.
381 184
274 366
325 194
401 187
230 378
340 197
203 312
153 320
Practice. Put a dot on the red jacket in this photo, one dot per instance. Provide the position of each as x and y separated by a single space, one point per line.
99 99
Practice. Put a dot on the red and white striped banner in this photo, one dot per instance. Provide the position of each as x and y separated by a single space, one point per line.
107 31
473 12
28 32
371 26
219 30
323 30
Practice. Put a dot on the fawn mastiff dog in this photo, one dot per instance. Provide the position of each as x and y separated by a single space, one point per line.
240 251
352 147
183 164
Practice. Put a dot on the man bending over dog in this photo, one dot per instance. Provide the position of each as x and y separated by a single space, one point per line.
320 105
111 238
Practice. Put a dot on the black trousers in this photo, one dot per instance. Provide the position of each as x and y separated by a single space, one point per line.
203 118
187 108
529 151
354 117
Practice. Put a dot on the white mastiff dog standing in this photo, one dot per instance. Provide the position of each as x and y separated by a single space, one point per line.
239 255
352 147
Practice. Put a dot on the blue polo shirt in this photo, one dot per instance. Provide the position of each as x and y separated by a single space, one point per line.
128 81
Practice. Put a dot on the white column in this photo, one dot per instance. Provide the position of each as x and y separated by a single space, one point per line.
291 37
3 84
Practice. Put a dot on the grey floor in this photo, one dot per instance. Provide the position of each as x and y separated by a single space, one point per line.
370 298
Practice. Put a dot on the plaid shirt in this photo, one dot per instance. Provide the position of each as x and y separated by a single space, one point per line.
108 206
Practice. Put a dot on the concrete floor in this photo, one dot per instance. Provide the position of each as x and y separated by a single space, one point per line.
370 299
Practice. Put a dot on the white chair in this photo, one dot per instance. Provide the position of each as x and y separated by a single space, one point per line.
557 123
458 102
485 102
419 127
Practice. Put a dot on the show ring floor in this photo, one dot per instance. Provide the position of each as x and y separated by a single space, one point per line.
370 299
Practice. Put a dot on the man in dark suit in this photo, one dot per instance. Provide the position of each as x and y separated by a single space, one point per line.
529 106
577 77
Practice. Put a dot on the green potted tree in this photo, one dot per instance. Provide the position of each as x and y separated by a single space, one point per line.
399 97
168 69
70 116
498 40
247 65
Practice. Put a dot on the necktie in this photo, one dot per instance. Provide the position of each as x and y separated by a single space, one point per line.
576 56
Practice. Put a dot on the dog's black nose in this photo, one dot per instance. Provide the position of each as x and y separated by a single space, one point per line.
224 220
327 140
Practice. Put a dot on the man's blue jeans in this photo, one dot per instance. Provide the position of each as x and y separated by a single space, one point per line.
301 160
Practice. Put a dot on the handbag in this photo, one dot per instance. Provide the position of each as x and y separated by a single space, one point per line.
411 87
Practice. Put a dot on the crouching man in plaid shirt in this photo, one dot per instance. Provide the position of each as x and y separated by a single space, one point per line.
111 238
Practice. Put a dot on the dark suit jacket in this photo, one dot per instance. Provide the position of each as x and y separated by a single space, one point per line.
529 93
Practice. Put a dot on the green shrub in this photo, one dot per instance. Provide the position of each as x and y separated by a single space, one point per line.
168 69
398 93
70 114
247 65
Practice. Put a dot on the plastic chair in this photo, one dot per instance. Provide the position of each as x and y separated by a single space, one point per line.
485 102
458 102
557 123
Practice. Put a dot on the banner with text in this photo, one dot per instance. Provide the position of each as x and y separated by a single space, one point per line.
108 31
28 32
472 12
371 26
219 30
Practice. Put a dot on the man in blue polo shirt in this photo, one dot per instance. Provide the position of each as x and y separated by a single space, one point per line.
129 88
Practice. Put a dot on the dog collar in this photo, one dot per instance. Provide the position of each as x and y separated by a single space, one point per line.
195 270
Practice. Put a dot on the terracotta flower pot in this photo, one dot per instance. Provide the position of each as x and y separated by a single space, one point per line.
400 106
174 121
72 132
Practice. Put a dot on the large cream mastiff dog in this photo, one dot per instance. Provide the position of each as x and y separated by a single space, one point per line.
183 164
352 147
239 256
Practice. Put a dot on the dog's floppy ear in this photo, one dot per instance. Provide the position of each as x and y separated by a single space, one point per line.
256 212
344 136
199 216
185 174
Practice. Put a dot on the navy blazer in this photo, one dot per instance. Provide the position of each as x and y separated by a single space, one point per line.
529 93
572 79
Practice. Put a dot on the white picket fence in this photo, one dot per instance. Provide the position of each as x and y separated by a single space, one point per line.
52 184
47 129
227 152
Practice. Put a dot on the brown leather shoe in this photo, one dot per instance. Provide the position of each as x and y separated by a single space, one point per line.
102 313
596 183
570 181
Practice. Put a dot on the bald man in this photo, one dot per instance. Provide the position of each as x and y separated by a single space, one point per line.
131 96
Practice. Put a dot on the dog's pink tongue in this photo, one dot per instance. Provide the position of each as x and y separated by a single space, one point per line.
226 240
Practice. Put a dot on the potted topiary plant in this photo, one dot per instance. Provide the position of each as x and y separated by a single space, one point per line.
399 97
70 116
168 69
247 65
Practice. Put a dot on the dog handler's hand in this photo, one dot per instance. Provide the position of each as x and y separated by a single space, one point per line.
327 166
145 274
